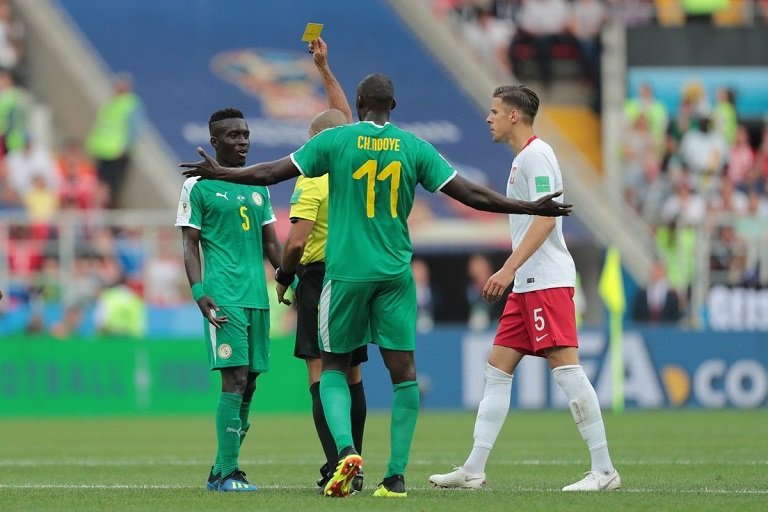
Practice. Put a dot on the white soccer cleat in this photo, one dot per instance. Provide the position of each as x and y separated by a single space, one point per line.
458 479
594 481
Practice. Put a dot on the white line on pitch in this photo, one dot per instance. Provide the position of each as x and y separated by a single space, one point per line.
119 487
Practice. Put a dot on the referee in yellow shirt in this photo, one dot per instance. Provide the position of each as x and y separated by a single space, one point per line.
304 255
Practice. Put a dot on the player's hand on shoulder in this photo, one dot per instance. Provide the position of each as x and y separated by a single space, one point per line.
546 207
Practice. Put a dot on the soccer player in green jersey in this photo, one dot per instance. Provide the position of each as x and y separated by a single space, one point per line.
304 254
233 224
374 168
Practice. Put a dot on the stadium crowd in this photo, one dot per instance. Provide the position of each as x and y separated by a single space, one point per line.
45 178
700 166
536 39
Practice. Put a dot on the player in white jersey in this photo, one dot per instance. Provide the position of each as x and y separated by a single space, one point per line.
539 318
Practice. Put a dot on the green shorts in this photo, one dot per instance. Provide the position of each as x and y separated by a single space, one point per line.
242 341
349 308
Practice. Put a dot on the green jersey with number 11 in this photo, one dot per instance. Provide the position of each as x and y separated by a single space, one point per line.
373 172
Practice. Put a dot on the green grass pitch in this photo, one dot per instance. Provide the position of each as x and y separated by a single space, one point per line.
668 460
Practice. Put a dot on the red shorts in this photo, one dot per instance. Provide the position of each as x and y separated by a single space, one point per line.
538 320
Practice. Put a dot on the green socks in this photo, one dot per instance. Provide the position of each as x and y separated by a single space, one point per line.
405 411
228 432
334 394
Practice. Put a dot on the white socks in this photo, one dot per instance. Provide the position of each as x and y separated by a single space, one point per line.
585 409
490 417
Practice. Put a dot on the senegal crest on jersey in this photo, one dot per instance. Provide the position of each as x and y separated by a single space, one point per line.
258 201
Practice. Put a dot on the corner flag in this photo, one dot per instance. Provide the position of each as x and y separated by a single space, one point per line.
611 289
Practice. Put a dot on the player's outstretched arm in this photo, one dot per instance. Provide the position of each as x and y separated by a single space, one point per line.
265 173
484 199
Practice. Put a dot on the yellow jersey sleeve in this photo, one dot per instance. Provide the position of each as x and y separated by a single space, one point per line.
310 202
309 194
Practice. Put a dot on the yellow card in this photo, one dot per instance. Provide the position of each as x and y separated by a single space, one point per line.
312 32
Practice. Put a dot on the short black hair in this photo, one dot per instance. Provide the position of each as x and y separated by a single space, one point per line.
225 113
377 92
519 97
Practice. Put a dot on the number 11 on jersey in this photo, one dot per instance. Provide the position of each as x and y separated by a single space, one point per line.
391 171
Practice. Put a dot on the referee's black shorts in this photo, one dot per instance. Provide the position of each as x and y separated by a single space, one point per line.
307 299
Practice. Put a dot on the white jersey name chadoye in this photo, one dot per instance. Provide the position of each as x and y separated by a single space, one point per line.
536 173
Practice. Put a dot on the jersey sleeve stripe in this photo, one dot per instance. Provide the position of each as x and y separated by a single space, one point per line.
187 225
297 165
446 181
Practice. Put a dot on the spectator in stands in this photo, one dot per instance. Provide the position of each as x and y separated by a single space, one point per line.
41 204
79 186
729 200
13 114
542 22
131 253
11 37
671 163
30 161
652 192
704 152
645 103
751 228
724 117
425 320
676 246
685 205
638 147
658 303
120 311
586 23
481 313
741 159
25 253
44 292
8 198
489 37
166 282
727 257
694 94
683 121
81 290
114 134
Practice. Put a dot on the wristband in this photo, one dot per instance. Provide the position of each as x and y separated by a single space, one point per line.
282 277
198 291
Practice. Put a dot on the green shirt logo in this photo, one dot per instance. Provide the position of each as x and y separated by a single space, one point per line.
542 184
